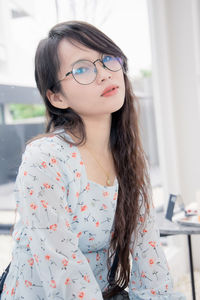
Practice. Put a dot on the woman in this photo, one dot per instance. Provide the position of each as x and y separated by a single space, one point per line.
82 189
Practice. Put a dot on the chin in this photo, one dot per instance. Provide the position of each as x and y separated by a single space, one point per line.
117 106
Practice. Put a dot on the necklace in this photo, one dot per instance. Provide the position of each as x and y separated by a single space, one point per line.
107 175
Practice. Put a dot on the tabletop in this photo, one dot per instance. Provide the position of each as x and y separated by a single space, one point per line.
167 227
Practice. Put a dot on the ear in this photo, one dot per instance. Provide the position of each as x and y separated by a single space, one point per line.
57 99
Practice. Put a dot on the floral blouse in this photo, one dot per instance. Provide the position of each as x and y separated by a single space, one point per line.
63 234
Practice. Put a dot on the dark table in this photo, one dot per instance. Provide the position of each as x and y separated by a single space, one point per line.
167 228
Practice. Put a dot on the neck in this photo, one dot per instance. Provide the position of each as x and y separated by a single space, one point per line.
98 134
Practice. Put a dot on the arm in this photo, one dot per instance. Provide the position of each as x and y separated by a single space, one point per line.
150 277
43 182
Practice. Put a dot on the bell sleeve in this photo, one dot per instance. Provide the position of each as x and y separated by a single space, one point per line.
43 183
150 277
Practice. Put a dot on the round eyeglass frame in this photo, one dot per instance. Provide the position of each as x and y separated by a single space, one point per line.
95 68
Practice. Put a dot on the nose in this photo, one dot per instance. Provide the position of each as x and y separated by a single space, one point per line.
102 72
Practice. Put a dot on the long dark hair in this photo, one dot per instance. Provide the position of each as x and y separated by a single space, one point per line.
125 142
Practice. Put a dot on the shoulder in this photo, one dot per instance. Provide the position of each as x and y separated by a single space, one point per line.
52 151
48 145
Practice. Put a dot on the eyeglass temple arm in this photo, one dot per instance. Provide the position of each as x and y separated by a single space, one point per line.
65 76
68 74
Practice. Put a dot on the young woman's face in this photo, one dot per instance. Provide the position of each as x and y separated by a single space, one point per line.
87 100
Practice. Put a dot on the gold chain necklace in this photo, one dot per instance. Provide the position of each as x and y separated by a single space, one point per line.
107 175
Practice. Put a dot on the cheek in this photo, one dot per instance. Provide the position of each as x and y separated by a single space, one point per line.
78 96
122 84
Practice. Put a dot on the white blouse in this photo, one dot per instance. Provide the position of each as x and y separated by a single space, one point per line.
62 237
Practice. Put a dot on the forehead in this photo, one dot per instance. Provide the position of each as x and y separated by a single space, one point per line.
69 52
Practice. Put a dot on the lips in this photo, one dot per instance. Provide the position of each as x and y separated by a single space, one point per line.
109 89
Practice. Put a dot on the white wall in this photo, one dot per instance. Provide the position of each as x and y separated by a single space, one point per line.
175 53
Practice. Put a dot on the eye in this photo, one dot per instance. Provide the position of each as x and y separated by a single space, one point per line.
108 58
80 70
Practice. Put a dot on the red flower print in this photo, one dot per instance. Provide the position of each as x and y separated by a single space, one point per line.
104 206
17 283
81 295
67 224
81 162
33 206
31 192
79 261
25 173
58 174
67 281
44 203
36 258
77 194
105 194
136 258
141 219
115 196
153 292
133 282
28 283
53 284
57 178
74 154
166 286
153 244
53 227
97 224
97 257
84 207
47 257
53 160
46 185
65 262
12 291
27 246
91 239
68 209
144 230
63 188
143 275
79 234
31 261
78 174
87 187
151 261
100 277
74 256
44 164
74 218
86 278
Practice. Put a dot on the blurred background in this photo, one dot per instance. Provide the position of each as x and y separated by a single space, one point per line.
161 39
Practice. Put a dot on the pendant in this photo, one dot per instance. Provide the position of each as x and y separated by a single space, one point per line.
108 181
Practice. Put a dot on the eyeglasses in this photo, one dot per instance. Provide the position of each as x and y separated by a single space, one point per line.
85 71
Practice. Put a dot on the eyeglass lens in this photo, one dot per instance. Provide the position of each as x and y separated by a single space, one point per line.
85 71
